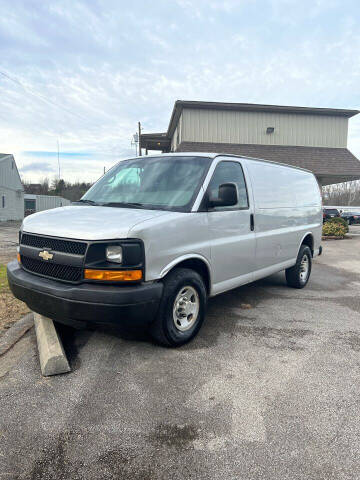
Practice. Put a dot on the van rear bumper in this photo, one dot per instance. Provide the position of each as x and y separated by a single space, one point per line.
86 302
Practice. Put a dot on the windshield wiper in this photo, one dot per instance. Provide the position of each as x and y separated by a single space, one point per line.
124 204
88 202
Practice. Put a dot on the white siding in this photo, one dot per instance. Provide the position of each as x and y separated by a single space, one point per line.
224 126
14 204
9 175
177 135
46 202
12 189
174 143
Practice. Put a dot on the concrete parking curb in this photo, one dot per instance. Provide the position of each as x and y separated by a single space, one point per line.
15 332
53 360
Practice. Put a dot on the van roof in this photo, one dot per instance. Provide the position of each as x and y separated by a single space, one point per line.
214 155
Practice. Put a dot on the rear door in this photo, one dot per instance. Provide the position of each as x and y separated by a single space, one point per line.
232 238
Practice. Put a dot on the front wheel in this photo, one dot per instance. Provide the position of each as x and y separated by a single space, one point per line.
182 308
298 275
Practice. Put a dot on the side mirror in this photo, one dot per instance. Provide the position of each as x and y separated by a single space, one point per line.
227 196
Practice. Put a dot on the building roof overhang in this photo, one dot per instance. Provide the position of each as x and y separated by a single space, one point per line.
155 141
330 165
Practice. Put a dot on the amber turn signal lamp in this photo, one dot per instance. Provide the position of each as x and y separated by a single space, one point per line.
113 275
18 258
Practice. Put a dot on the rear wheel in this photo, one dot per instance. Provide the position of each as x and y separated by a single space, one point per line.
298 275
182 308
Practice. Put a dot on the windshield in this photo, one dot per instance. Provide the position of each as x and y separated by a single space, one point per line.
164 183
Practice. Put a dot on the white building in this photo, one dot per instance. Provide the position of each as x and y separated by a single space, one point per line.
37 203
11 190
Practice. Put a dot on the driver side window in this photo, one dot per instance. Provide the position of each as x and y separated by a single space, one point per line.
225 172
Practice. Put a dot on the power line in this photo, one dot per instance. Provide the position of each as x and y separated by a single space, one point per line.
41 97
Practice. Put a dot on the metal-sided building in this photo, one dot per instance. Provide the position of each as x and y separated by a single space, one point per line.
11 190
38 203
311 138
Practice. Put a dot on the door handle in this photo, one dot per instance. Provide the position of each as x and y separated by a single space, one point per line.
252 225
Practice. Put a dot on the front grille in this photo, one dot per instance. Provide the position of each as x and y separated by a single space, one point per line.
65 246
56 271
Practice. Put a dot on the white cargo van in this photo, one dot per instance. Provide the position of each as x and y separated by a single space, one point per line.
157 235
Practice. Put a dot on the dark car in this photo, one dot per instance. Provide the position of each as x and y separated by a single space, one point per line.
351 217
329 213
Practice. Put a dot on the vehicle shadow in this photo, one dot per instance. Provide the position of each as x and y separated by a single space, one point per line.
233 306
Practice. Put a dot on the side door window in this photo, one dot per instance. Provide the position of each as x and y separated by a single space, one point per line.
229 172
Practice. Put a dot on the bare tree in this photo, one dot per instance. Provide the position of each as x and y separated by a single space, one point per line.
71 191
347 193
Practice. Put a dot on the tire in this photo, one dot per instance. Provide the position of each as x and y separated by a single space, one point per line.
186 286
295 275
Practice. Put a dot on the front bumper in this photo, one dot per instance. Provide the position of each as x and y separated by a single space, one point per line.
86 302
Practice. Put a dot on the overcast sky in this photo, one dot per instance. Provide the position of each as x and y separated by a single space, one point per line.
85 72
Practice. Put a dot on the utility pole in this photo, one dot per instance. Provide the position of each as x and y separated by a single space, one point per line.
58 156
139 125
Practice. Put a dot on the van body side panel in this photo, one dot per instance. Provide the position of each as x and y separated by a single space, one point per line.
287 206
275 206
173 237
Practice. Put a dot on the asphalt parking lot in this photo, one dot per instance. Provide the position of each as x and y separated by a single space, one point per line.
267 392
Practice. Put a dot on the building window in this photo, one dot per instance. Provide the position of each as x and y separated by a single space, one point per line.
3 201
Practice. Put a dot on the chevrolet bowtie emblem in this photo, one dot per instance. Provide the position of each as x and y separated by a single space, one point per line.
45 255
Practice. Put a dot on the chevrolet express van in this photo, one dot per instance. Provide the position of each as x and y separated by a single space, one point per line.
156 236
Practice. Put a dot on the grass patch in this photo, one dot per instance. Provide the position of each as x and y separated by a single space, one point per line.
11 309
4 286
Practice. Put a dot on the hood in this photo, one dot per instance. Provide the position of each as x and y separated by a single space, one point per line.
88 222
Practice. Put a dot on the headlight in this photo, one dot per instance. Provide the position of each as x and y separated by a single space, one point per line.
114 253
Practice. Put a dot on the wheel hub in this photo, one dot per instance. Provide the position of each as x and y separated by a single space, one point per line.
304 268
186 308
